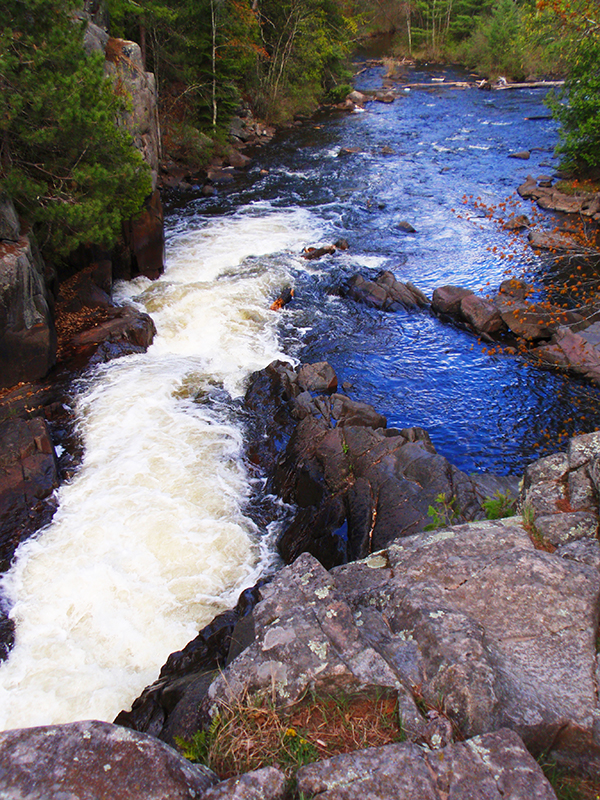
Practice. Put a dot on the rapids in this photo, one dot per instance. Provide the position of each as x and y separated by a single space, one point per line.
152 536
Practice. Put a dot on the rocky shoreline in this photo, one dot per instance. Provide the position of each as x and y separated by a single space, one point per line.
484 631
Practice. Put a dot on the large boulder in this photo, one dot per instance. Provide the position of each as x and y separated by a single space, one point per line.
578 351
89 760
447 299
482 315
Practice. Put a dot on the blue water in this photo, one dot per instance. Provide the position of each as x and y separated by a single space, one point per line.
484 413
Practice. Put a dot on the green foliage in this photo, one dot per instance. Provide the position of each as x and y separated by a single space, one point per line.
444 513
579 114
72 172
501 505
566 787
497 44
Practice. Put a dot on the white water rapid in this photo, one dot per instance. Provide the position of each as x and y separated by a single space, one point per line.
150 539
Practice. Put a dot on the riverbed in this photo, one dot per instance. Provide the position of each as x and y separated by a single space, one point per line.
154 534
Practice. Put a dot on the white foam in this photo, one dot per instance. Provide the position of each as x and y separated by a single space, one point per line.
150 539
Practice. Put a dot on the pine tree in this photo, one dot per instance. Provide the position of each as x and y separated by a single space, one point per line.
72 171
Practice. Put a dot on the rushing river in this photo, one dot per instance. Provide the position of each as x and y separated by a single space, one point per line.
152 536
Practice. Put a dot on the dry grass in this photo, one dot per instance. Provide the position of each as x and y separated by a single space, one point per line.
249 736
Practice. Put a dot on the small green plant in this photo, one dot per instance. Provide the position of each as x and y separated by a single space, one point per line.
500 505
566 786
443 513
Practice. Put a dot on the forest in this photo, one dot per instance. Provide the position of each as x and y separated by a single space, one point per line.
72 171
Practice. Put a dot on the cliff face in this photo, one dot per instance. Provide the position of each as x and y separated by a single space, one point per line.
28 341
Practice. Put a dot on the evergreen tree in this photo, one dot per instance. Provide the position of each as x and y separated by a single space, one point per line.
73 173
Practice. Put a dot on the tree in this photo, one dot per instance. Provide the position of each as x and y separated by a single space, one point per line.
73 173
579 114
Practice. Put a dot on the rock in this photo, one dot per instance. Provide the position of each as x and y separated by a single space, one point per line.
384 97
358 98
546 240
28 342
10 228
88 760
95 39
517 223
126 325
317 377
406 226
352 412
28 477
125 66
342 244
307 638
349 151
568 527
522 154
386 293
262 784
489 767
472 617
529 322
562 491
576 350
237 159
481 314
146 239
310 253
447 299
548 197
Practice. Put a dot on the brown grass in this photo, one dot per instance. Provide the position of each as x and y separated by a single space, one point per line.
249 736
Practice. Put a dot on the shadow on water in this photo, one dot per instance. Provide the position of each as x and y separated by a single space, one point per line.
417 160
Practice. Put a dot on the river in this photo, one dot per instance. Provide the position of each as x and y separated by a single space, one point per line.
153 535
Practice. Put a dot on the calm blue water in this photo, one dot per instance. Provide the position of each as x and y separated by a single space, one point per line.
485 413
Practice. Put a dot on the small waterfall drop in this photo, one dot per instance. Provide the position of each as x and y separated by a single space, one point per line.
150 540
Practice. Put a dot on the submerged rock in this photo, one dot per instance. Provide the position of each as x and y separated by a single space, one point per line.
386 293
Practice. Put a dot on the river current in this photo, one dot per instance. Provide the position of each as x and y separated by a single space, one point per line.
153 536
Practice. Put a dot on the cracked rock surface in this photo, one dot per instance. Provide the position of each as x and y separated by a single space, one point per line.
471 619
488 767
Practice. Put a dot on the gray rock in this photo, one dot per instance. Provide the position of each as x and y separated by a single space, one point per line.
307 638
88 760
562 528
10 228
28 342
522 154
262 784
495 766
125 66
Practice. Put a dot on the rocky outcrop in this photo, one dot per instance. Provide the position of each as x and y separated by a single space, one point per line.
88 760
561 492
356 484
28 340
488 767
472 620
386 293
547 197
